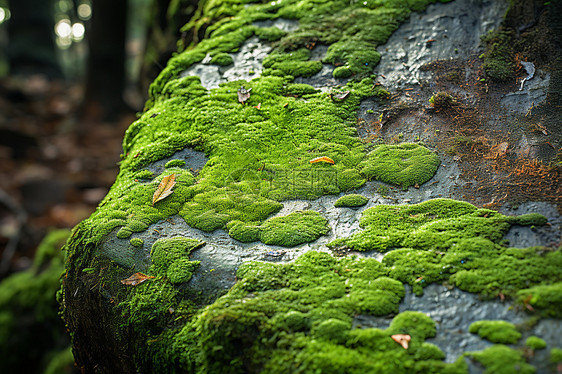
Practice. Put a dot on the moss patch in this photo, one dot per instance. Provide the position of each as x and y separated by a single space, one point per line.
445 239
136 242
170 257
535 342
405 164
555 355
496 331
499 59
500 359
352 200
175 163
544 298
222 59
288 231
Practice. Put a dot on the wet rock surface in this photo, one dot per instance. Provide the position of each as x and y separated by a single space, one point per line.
442 31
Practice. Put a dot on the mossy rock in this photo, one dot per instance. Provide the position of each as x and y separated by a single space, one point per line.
272 316
406 164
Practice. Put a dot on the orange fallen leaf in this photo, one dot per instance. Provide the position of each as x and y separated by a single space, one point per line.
135 279
164 188
322 159
402 339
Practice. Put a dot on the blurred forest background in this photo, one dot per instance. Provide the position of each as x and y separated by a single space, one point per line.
73 75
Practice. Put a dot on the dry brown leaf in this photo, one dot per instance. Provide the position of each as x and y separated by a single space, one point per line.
402 339
322 159
135 279
164 188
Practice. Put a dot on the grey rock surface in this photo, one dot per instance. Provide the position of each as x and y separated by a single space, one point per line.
442 31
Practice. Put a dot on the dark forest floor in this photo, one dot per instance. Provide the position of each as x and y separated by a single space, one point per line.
54 167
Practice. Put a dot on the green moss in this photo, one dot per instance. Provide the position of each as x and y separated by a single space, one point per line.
535 342
181 270
124 232
444 239
442 100
297 317
415 324
136 242
342 72
143 174
499 58
545 298
175 163
294 64
359 57
166 252
405 164
351 200
555 355
500 359
299 89
31 331
496 331
428 351
331 329
222 59
288 231
270 33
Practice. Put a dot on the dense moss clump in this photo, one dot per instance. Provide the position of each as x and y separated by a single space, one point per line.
496 331
405 164
556 355
287 231
170 257
32 336
535 342
499 59
294 63
500 359
544 298
352 200
222 59
136 242
175 163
